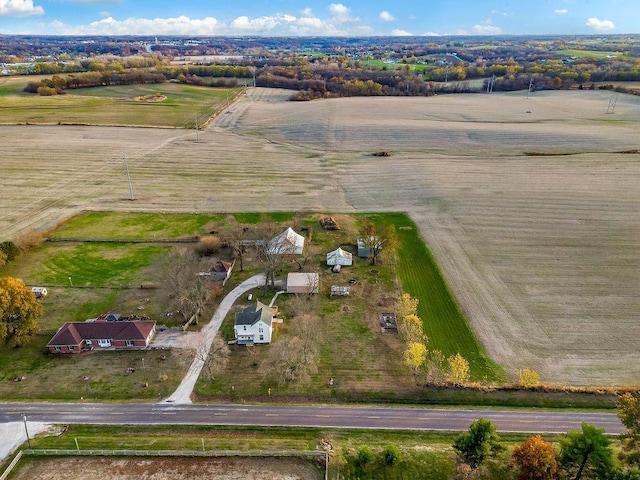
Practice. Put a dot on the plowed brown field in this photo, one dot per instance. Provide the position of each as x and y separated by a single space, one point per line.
531 206
221 468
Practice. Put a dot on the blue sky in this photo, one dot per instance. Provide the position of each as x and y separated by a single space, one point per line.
316 17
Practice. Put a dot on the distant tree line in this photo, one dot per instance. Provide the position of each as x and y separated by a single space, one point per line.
58 84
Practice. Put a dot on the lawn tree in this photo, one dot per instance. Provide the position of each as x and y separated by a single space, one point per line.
586 454
187 292
458 369
536 459
19 312
294 358
272 256
479 443
235 238
629 414
217 359
376 240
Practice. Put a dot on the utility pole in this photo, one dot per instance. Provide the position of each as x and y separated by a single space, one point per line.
26 430
197 129
144 374
126 169
530 85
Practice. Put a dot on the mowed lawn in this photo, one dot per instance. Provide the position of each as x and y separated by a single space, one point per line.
156 105
86 265
133 226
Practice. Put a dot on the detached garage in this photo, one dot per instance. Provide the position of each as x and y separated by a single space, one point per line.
303 283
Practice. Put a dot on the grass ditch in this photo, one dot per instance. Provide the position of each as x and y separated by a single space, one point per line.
425 455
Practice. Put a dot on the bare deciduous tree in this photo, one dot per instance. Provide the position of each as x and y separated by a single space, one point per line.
294 358
235 238
187 292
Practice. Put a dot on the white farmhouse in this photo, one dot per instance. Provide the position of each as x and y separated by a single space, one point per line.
253 324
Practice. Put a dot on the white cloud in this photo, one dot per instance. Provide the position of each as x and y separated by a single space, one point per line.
279 24
561 11
19 8
307 12
149 26
401 33
341 14
501 13
600 25
486 28
431 34
386 16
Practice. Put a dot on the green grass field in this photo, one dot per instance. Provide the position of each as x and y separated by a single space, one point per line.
92 265
178 106
444 323
134 226
586 53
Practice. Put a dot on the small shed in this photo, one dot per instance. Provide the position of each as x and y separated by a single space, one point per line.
303 283
340 257
364 248
287 243
221 270
39 292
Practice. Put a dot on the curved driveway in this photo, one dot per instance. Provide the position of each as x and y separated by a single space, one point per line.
182 395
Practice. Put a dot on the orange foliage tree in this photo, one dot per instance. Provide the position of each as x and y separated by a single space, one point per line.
19 312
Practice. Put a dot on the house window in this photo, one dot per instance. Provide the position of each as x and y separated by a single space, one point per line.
88 342
261 337
244 327
260 330
129 343
104 343
57 349
71 347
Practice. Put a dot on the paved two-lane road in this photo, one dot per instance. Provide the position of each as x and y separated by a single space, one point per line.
527 421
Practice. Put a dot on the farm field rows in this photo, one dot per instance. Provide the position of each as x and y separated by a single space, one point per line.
532 217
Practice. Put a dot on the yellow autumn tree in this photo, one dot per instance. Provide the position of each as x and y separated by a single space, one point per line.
19 312
415 355
406 306
528 378
411 330
458 369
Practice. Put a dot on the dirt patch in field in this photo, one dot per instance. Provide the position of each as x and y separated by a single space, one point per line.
116 468
540 250
156 97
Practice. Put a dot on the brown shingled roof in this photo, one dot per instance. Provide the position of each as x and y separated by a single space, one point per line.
72 333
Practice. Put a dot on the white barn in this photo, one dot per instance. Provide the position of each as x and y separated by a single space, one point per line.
340 257
288 242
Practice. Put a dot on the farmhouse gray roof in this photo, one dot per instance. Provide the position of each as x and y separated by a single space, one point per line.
253 313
